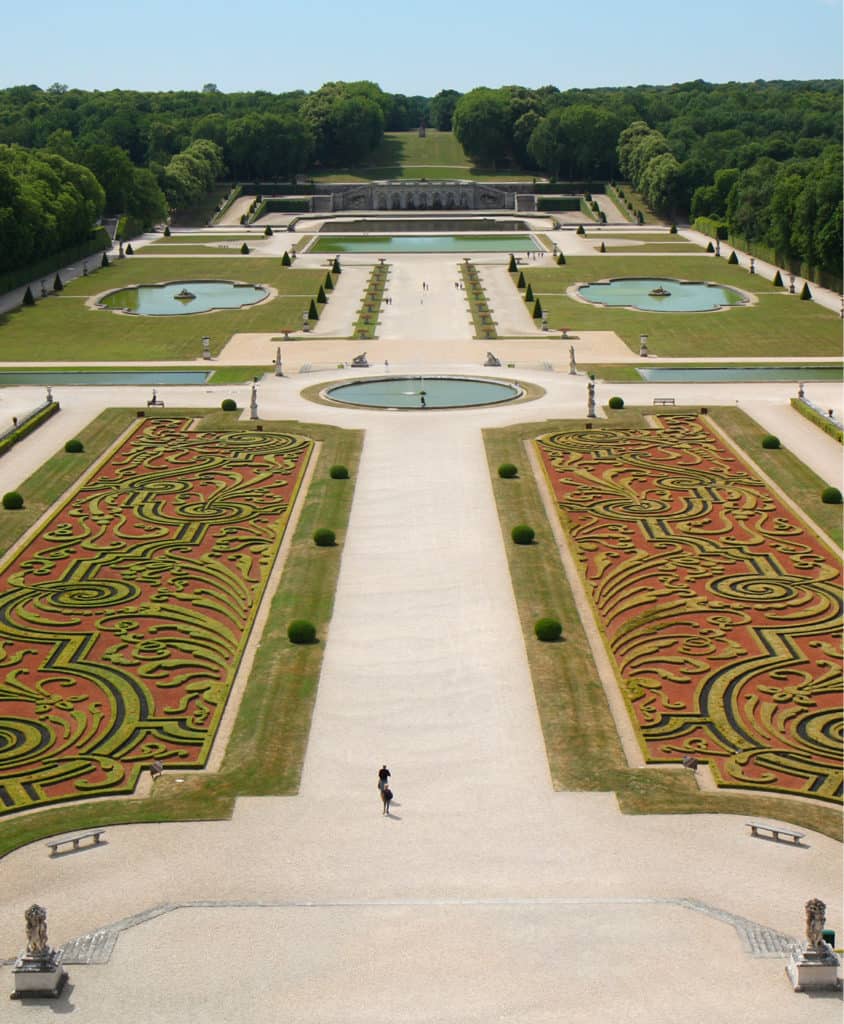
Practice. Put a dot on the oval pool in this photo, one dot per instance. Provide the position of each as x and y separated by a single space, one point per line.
681 297
180 297
423 392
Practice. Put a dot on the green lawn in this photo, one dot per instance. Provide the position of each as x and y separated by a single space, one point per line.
581 741
779 325
438 156
265 752
62 328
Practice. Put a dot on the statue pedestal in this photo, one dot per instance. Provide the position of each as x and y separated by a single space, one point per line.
39 976
813 969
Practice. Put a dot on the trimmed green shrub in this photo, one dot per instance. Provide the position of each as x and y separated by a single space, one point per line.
338 473
581 230
777 281
329 284
300 631
511 267
321 295
12 500
829 496
616 402
228 405
104 260
312 311
603 247
522 534
507 471
710 247
57 284
672 230
336 268
324 538
548 630
74 446
285 259
167 231
537 310
529 294
129 250
770 442
640 218
733 258
561 260
244 249
28 297
805 294
268 231
521 281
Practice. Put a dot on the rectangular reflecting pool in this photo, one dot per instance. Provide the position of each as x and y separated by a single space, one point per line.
102 377
427 243
714 374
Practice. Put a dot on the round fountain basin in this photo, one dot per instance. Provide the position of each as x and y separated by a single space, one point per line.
645 293
423 392
179 298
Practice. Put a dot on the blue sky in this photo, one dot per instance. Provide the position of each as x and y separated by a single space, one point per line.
416 48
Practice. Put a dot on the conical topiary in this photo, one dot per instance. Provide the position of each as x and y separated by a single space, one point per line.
561 260
537 310
129 250
336 268
733 258
603 246
321 295
312 311
57 283
529 294
167 231
285 259
28 297
777 282
512 265
804 291
521 282
268 231
244 249
104 260
329 284
710 247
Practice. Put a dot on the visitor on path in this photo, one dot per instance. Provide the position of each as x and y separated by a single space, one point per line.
383 777
386 797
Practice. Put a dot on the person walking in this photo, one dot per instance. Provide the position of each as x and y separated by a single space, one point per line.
383 777
386 797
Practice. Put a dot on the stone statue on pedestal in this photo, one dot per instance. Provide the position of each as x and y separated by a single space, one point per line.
38 972
813 965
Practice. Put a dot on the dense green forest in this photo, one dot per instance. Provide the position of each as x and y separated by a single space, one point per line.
763 158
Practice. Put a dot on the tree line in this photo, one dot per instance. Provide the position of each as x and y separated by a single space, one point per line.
764 157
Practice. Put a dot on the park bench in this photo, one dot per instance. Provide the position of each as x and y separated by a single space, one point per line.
94 833
664 401
775 830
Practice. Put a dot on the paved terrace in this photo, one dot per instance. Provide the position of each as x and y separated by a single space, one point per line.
486 896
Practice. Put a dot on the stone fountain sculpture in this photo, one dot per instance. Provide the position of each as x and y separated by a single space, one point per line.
38 972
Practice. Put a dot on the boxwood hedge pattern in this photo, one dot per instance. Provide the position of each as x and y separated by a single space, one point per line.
123 622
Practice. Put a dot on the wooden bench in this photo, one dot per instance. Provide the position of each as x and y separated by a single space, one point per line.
664 401
775 830
94 833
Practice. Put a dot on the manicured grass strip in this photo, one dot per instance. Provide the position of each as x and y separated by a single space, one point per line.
582 745
777 326
62 328
651 248
478 305
366 324
266 750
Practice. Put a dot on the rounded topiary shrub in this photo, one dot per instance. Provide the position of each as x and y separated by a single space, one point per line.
507 471
300 631
228 405
673 229
12 499
522 534
770 441
829 496
548 630
74 445
338 473
616 402
324 538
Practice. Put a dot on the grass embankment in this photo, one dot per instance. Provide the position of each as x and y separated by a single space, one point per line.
478 305
366 324
779 325
62 328
438 157
582 744
266 749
